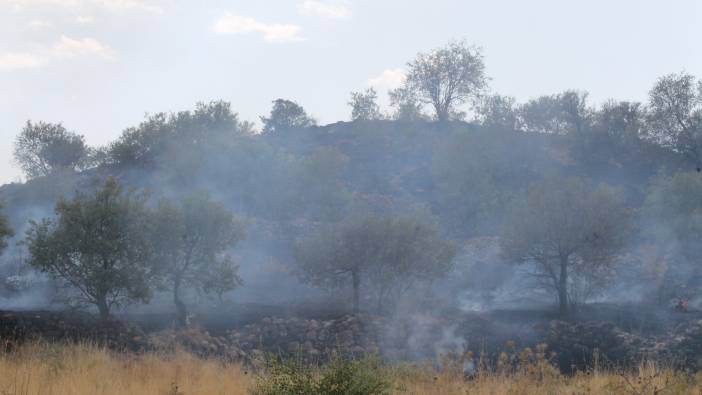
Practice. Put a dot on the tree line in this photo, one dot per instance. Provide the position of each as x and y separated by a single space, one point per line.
110 246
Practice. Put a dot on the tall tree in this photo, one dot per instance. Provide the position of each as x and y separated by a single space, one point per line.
562 226
190 241
43 148
447 77
675 116
364 106
388 252
286 115
97 246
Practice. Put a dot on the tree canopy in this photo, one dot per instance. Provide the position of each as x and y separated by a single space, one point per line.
190 242
98 246
390 253
562 227
43 148
286 115
447 77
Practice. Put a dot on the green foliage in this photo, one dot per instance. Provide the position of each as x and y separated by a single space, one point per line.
391 253
563 227
447 77
98 246
5 231
286 115
340 377
190 241
672 219
562 113
675 115
364 106
43 148
160 134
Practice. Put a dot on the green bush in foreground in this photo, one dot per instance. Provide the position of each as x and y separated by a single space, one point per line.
357 377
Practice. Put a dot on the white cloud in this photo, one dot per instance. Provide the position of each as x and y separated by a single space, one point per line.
274 32
39 24
325 9
110 5
13 61
388 79
70 48
85 20
66 48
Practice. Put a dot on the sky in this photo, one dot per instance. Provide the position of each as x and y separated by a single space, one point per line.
98 66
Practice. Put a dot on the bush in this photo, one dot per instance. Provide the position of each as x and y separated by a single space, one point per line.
340 377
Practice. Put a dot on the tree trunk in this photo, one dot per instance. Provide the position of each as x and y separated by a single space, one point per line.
181 311
356 277
563 288
103 308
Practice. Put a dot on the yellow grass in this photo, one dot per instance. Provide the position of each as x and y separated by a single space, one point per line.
83 369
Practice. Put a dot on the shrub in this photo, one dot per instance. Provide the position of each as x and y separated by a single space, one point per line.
365 376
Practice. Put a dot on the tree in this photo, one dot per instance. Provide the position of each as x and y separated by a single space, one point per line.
675 116
562 227
498 111
562 113
447 77
97 245
43 148
364 106
672 222
177 134
613 135
389 252
407 105
5 231
190 241
286 115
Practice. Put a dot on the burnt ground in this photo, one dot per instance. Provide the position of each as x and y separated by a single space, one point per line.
619 335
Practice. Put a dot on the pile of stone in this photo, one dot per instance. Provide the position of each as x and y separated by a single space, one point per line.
197 341
308 339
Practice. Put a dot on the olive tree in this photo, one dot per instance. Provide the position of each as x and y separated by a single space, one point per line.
97 245
386 252
190 241
675 114
561 226
285 115
364 106
447 77
42 148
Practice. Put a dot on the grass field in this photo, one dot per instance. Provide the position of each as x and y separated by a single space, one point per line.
84 369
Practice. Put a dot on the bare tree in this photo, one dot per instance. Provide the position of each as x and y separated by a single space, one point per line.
447 77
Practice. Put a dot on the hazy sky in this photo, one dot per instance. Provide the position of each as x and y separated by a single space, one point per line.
99 65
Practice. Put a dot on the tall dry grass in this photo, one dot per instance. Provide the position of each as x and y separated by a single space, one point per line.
42 368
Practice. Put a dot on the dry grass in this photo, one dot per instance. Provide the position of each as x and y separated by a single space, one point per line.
83 369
